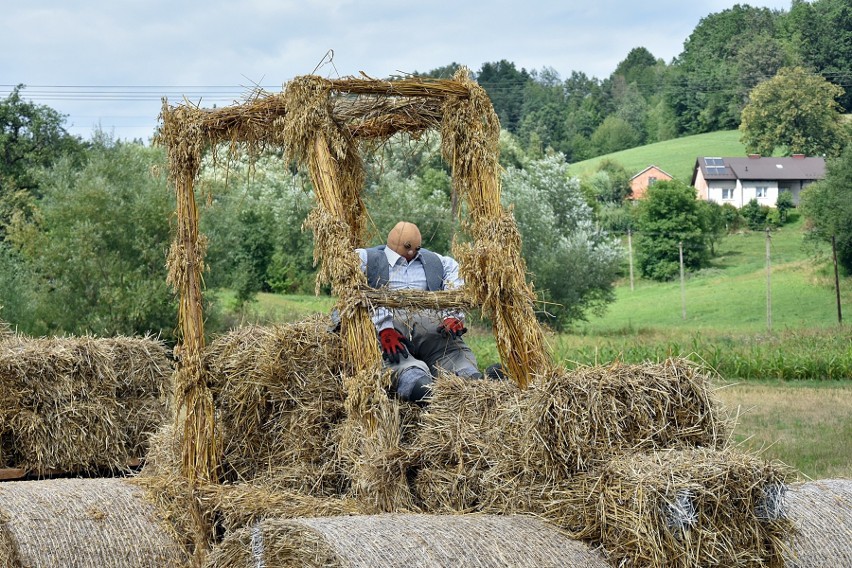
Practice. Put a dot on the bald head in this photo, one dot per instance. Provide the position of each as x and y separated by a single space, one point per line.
404 239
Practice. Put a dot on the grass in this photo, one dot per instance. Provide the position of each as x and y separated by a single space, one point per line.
676 157
805 425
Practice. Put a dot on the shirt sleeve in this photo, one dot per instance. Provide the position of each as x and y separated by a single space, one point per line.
452 281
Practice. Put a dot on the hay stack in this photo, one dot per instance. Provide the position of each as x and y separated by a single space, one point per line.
403 540
278 395
682 508
80 404
822 513
75 522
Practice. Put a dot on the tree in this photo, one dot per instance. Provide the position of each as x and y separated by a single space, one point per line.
821 34
827 205
670 215
31 137
796 110
573 264
505 86
615 134
783 204
96 244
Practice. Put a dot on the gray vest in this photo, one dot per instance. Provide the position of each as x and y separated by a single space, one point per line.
378 271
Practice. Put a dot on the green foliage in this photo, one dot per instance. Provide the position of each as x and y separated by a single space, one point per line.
31 137
615 134
731 217
755 215
505 86
670 215
827 204
783 204
573 263
796 110
96 245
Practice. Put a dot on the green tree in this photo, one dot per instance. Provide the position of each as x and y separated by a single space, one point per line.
573 264
615 134
784 204
796 110
755 215
97 243
827 205
670 215
31 137
505 85
820 32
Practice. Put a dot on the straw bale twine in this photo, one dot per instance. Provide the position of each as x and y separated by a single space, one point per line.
822 513
60 523
404 540
683 508
86 403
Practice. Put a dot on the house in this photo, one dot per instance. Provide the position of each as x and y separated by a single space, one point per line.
739 180
649 176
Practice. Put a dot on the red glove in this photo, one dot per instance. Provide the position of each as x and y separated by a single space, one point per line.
393 345
452 327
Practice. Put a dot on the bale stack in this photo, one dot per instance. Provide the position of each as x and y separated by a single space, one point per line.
59 523
80 404
389 541
279 397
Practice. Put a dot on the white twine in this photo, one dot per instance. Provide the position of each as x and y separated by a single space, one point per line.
257 546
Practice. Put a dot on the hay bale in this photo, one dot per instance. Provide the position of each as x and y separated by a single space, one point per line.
404 540
80 404
683 508
82 522
571 420
822 513
278 395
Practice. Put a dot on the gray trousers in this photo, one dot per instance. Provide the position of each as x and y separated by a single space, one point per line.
431 352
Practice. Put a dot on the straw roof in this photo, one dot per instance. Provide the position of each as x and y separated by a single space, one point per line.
404 540
82 522
80 404
822 513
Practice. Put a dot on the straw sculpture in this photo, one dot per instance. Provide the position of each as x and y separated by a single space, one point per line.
822 513
693 507
390 541
80 404
59 523
323 125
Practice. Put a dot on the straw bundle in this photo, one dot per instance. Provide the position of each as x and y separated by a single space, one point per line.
403 540
72 404
822 513
279 395
75 522
684 508
570 420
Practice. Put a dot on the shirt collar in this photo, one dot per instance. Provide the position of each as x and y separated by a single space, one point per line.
393 257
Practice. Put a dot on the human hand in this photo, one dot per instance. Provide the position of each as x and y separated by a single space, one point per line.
452 327
393 344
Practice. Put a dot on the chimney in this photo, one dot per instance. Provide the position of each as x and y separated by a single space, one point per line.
754 156
799 156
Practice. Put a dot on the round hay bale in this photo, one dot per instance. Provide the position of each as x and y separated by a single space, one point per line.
82 522
822 513
389 541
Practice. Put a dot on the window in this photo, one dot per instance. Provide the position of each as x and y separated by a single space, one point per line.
651 181
761 192
727 193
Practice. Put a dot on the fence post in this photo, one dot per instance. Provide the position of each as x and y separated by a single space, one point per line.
768 284
836 280
682 288
630 254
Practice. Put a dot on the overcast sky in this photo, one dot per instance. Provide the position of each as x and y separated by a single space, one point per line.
108 63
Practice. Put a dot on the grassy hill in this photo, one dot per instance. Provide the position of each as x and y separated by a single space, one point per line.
677 157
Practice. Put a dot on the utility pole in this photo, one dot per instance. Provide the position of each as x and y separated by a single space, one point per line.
768 284
836 280
630 254
682 288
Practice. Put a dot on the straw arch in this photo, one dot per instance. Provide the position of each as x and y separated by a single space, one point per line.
321 124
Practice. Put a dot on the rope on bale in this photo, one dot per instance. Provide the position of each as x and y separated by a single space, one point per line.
391 541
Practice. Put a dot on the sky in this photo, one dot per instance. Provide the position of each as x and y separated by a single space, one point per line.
107 64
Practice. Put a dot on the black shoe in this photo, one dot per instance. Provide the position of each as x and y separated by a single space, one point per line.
495 372
422 390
